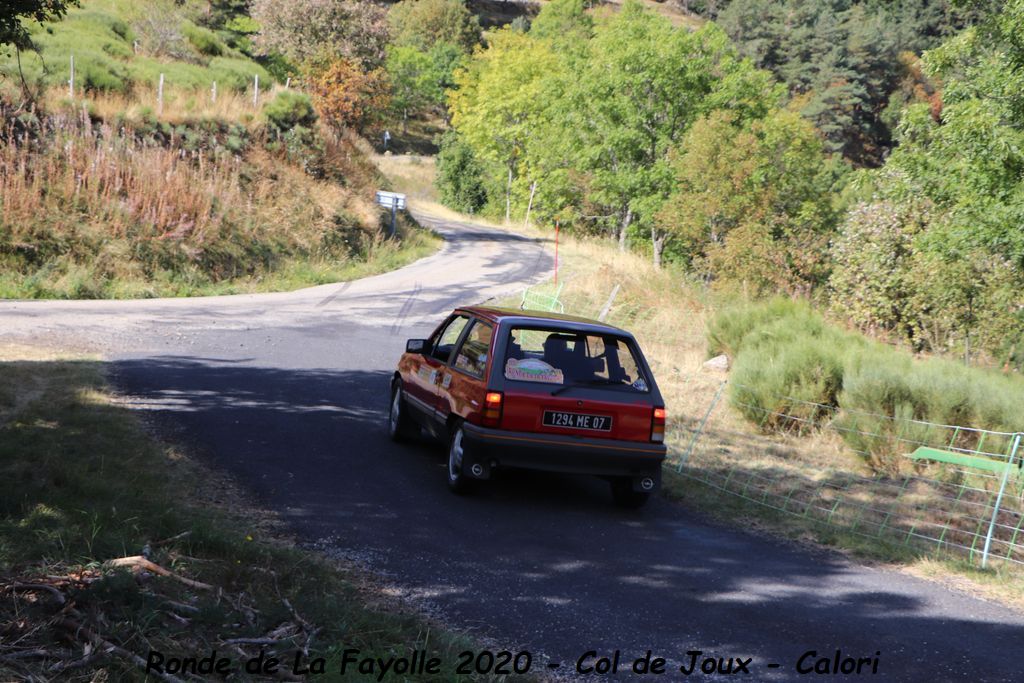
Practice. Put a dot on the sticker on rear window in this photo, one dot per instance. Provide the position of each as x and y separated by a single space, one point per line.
533 370
640 384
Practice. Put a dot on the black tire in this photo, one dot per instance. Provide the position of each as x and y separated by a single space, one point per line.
626 497
401 426
458 482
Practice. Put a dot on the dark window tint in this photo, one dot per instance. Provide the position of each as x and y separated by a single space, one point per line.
565 357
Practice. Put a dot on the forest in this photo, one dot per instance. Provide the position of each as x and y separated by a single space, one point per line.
863 155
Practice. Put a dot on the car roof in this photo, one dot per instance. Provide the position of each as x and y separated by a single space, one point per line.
515 316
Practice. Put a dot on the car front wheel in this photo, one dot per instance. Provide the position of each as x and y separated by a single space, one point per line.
458 482
400 425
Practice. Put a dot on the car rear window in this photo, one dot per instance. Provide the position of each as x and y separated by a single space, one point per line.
566 357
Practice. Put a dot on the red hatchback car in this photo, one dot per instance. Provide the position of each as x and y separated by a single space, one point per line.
524 389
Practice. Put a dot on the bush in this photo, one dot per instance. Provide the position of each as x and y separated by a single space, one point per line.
790 362
288 110
459 176
789 370
203 40
730 326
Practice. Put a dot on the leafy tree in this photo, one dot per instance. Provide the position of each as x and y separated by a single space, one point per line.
303 30
642 84
413 82
752 204
872 283
968 162
498 102
424 23
345 95
565 23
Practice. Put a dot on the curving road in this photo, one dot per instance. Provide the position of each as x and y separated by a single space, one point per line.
288 392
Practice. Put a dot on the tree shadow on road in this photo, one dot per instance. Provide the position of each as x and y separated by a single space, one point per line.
546 562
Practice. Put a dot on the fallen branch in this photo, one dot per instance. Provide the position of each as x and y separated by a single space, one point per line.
52 590
140 563
172 539
107 646
254 641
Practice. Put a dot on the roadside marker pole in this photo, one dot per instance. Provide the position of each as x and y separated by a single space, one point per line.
160 96
71 81
999 500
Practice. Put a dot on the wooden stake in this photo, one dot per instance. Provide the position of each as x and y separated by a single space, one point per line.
213 93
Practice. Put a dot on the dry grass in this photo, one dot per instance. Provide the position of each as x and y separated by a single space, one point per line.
179 105
97 202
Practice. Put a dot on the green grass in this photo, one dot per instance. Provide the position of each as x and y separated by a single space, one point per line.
83 482
76 281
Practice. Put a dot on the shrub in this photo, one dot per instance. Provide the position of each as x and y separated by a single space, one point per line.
790 362
730 326
459 176
203 40
288 110
787 370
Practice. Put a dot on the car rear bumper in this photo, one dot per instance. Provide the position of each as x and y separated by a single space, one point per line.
491 448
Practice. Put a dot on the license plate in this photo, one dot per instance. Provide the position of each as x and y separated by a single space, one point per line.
557 418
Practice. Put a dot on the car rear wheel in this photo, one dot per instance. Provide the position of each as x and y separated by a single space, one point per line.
458 482
401 426
625 496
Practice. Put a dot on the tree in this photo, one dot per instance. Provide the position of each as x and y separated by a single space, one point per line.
752 204
565 23
641 86
414 84
424 23
345 95
873 259
303 30
499 99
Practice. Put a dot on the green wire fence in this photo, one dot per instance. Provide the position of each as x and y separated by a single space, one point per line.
947 488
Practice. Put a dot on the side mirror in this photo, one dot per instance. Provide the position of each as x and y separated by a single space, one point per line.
415 345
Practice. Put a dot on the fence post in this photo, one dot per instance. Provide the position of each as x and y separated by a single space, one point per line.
256 91
999 500
160 97
213 93
700 429
71 81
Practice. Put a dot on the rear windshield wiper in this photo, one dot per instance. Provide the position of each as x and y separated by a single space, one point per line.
597 381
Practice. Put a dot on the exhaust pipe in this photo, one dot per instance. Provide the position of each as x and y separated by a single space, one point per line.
477 470
647 484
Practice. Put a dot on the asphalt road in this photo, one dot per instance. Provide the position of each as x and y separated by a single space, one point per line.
288 393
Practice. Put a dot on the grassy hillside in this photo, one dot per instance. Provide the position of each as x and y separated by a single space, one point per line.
119 45
119 192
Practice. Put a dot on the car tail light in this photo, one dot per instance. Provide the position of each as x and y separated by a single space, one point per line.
658 425
492 409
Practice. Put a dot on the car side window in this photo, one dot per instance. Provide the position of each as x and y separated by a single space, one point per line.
471 357
445 341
